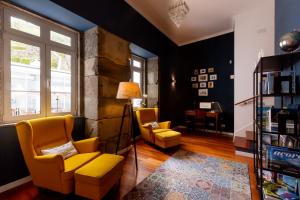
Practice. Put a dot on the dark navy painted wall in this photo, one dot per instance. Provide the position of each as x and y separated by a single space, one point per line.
215 52
287 18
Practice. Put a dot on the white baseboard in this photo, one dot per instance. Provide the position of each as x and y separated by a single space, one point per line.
246 154
14 184
223 133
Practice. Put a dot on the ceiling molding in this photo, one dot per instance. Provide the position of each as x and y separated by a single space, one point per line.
206 37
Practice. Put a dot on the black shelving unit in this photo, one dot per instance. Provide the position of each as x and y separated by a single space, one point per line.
271 64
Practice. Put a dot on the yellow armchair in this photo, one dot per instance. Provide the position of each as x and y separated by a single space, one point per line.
162 136
52 171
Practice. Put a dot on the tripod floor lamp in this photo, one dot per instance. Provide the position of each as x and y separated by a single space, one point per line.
129 91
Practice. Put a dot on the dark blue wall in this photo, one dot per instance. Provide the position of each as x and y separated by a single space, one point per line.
287 18
215 52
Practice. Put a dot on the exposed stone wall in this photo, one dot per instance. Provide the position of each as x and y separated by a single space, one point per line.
106 63
152 85
1 66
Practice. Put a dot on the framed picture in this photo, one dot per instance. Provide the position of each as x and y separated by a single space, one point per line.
203 92
211 70
213 77
202 71
195 85
195 71
194 78
202 77
202 84
210 84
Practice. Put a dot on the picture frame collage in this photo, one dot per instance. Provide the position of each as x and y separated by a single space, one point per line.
203 80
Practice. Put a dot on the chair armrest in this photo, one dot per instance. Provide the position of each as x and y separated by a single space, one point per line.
148 126
87 145
51 162
147 132
165 125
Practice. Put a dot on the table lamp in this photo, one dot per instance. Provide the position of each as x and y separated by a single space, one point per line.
129 91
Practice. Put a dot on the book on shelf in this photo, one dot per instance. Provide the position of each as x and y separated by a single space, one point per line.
290 128
272 190
265 112
284 159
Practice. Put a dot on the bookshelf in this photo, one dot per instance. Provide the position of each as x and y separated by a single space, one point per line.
276 124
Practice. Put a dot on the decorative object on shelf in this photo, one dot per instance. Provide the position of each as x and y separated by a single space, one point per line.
178 9
196 71
210 84
128 91
202 84
202 71
285 118
203 92
194 78
213 77
202 77
195 85
290 41
211 70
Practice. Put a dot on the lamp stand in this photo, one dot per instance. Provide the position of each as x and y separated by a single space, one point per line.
129 104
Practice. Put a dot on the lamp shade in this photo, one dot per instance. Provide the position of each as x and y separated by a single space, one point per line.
129 90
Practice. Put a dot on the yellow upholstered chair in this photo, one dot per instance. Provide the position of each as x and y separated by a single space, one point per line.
52 171
162 136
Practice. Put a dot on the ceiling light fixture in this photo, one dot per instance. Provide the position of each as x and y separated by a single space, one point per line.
177 11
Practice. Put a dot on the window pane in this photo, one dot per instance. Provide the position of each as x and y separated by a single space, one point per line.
24 26
137 79
60 82
25 79
137 64
60 38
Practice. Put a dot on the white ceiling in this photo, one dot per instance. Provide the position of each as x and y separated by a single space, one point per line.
207 18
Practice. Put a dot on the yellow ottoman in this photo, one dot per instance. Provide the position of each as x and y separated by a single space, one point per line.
97 177
167 138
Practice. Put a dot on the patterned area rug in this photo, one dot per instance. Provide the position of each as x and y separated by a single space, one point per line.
191 176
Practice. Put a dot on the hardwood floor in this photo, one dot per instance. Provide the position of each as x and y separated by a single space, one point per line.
149 158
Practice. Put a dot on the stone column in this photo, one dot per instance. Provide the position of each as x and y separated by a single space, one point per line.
106 63
1 65
152 85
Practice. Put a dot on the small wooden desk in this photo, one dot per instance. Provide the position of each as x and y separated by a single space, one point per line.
215 115
191 118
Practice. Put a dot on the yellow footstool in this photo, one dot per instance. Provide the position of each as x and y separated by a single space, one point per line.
167 138
97 177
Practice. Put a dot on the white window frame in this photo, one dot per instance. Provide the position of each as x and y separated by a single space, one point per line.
139 70
46 45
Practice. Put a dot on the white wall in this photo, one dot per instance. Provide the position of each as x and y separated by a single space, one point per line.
254 35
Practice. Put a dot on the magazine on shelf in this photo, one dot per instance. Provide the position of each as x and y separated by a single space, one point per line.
266 116
284 159
291 183
273 190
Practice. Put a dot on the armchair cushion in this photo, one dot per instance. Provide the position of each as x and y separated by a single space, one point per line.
75 162
160 130
66 150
